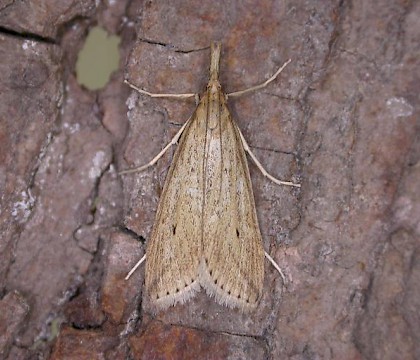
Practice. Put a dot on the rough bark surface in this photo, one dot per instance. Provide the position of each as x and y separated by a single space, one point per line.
343 118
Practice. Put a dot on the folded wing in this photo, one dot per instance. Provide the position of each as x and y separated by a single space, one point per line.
174 250
232 268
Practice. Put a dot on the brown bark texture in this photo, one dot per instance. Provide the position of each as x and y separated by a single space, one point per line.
343 119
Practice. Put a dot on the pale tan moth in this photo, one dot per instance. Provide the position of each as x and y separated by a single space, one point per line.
206 232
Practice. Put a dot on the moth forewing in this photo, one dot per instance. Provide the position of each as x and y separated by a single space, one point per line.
233 266
174 250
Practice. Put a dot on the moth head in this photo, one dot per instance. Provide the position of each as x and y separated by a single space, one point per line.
214 86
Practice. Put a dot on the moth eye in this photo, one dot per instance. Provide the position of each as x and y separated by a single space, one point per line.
239 296
215 281
177 290
167 293
192 280
174 229
207 261
221 286
237 232
185 284
229 292
157 296
211 272
247 300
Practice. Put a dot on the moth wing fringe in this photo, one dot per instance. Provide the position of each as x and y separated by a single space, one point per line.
220 295
180 297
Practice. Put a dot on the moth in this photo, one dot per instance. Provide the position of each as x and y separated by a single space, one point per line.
206 232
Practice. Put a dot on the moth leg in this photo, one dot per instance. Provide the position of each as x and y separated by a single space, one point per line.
275 266
154 95
264 172
260 86
158 156
135 267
